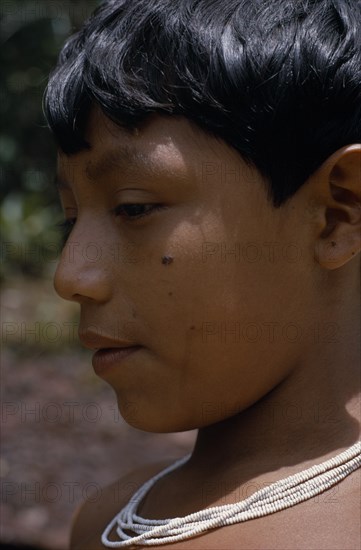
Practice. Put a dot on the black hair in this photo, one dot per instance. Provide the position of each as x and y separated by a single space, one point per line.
278 80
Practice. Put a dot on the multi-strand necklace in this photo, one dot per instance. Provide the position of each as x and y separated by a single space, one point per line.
277 496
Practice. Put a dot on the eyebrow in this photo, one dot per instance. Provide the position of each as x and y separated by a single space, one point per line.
126 159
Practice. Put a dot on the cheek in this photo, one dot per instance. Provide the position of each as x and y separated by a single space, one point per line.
197 364
207 315
201 303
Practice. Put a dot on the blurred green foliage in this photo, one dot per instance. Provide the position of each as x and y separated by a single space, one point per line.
31 33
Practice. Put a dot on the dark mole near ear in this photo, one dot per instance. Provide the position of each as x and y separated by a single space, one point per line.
167 260
170 293
192 327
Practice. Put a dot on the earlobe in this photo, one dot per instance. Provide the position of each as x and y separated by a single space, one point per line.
332 254
340 238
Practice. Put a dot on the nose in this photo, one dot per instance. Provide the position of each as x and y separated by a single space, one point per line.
82 273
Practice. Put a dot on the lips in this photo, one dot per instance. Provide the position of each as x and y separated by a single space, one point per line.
98 341
109 352
109 358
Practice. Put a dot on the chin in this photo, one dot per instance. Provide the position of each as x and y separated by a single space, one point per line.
147 420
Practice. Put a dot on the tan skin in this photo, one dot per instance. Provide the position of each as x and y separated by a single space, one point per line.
269 403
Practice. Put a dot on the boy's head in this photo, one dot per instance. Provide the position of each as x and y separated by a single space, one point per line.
177 123
278 80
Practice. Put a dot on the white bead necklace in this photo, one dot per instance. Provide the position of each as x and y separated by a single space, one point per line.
282 494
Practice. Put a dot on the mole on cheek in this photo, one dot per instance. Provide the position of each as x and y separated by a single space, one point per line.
170 293
166 260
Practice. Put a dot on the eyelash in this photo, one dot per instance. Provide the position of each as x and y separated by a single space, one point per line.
66 226
119 210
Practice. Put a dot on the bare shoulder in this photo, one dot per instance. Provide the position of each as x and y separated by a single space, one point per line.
330 521
93 515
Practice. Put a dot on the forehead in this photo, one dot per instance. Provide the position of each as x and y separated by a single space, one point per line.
164 144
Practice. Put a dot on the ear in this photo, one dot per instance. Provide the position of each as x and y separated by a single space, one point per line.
338 184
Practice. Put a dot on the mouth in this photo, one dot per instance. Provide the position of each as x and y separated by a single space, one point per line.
106 359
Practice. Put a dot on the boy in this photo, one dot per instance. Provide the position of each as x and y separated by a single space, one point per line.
209 155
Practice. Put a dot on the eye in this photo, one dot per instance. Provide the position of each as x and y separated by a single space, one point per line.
134 211
130 211
65 227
